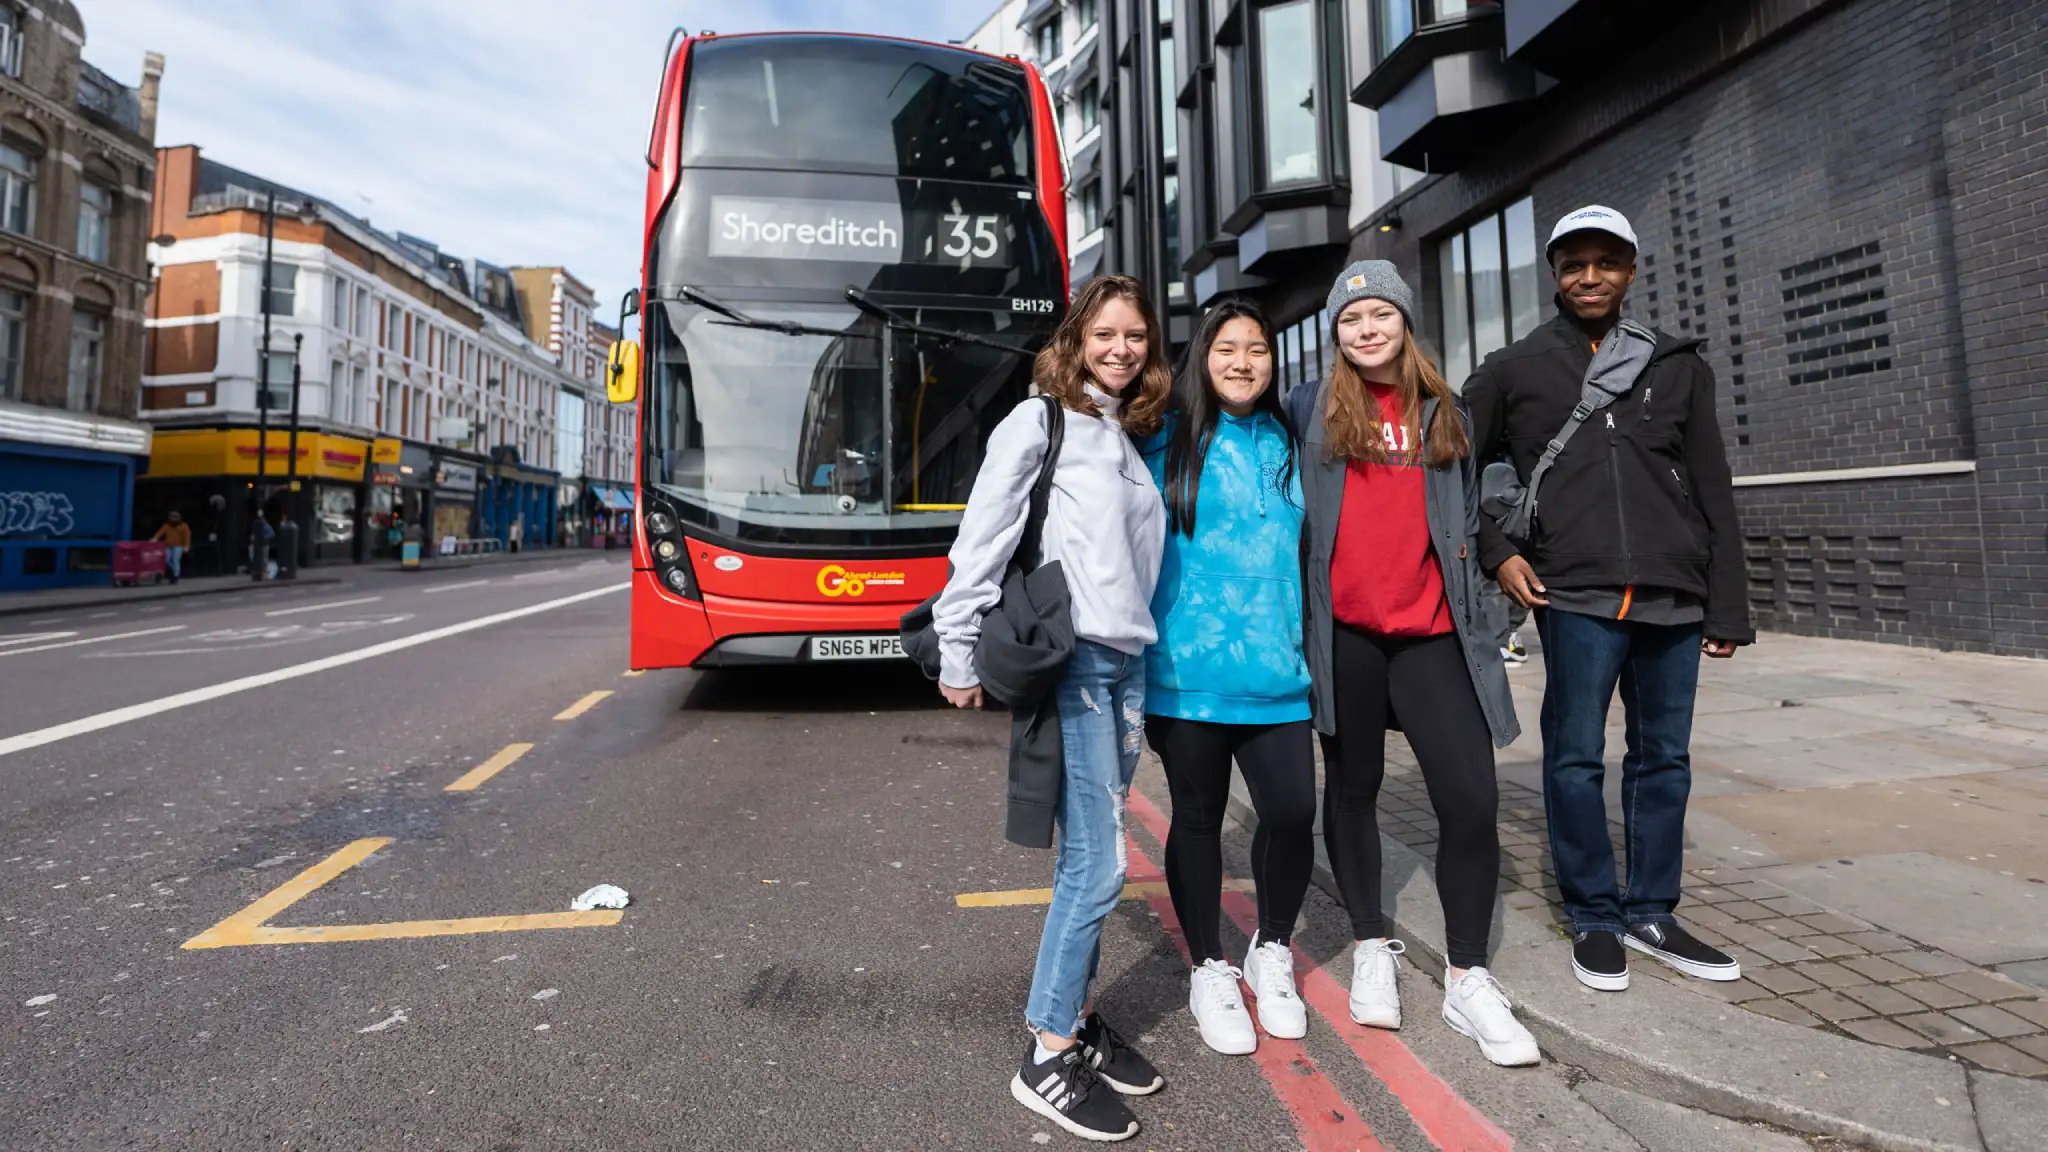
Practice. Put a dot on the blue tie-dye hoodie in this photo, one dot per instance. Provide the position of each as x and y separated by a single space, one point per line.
1228 605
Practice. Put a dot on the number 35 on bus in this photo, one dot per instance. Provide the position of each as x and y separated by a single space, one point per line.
854 247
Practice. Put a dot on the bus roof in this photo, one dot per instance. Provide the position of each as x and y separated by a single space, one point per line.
861 36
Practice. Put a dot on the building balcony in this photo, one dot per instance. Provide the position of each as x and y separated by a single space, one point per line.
1437 74
1555 36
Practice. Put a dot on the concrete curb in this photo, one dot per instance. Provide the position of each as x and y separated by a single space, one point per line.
1668 1041
183 593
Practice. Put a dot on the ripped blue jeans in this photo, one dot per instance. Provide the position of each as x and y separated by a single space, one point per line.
1102 724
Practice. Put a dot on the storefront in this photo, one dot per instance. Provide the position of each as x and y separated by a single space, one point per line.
401 491
512 494
211 477
64 501
455 487
611 516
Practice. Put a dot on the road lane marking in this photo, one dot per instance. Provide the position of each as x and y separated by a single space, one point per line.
91 640
322 607
32 637
636 672
1323 1119
101 615
248 926
451 587
132 712
471 780
1021 897
1446 1118
583 705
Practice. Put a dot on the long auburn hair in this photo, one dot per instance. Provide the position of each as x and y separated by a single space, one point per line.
1061 370
1196 410
1351 417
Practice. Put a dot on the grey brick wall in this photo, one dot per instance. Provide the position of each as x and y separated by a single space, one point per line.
1846 205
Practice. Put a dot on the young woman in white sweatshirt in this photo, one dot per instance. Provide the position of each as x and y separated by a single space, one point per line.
1105 524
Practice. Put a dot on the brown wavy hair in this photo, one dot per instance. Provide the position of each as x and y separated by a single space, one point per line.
1061 370
1351 417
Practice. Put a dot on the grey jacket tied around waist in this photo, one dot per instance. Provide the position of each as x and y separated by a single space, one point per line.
1451 497
1616 364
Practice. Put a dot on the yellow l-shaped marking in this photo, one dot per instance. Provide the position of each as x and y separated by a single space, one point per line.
249 925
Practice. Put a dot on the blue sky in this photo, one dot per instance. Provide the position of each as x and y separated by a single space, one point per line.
499 129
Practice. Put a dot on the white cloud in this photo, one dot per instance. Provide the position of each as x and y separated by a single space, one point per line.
507 130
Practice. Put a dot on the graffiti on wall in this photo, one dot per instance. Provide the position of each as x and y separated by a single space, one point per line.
39 513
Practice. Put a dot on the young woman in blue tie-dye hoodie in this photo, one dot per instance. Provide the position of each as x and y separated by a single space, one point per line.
1226 679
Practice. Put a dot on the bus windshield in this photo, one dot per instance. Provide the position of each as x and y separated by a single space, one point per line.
800 436
843 104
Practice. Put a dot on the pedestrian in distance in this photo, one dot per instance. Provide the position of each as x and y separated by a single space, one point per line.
1633 567
177 539
1105 367
1226 680
1397 638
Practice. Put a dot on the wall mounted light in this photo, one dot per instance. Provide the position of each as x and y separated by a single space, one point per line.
1391 224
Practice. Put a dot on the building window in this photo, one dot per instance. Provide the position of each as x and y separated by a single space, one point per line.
1049 46
1490 287
1090 101
95 220
276 393
337 303
362 313
1169 114
339 402
1169 216
282 299
1091 207
17 189
1084 13
10 40
1287 69
1393 21
13 338
88 343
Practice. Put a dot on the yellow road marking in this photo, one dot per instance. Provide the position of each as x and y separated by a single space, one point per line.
471 780
583 705
1021 896
248 927
637 672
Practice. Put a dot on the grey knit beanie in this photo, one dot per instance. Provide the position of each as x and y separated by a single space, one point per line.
1369 280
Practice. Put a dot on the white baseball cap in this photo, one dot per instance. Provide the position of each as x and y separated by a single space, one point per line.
1592 218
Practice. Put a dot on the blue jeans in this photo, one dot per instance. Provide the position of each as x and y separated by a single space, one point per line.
1102 723
1658 670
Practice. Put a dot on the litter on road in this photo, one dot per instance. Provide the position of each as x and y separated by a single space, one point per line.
602 896
547 994
38 1001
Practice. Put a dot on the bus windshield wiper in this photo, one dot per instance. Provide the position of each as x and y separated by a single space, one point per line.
901 323
738 319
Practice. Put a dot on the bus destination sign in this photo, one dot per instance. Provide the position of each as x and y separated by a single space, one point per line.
860 231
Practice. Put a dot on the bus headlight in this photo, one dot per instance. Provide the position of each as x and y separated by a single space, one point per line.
660 524
666 549
679 580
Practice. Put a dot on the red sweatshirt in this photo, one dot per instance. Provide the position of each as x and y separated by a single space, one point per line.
1384 576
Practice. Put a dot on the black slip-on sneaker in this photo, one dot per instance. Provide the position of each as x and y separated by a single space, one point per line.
1066 1091
1121 1066
1672 944
1599 961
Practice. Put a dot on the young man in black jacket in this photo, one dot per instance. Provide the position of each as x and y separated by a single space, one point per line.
1641 571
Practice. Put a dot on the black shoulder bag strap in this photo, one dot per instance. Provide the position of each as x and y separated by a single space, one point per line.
1030 550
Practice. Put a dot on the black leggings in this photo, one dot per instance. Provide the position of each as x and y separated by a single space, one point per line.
1423 684
1280 772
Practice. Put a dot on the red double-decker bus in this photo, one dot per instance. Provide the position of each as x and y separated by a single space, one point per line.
854 247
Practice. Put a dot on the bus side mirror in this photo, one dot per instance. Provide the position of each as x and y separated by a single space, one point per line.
622 372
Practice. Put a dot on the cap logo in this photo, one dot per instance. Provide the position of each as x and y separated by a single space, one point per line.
1355 282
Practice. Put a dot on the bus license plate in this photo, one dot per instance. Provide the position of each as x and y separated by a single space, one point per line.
856 647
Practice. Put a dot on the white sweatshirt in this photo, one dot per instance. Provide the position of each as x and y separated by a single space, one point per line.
1104 523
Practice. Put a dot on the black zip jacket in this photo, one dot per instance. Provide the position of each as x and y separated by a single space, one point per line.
1640 496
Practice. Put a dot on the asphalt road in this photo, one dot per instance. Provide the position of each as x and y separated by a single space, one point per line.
794 970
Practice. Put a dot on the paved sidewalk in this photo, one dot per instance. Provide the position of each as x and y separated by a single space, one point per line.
1868 834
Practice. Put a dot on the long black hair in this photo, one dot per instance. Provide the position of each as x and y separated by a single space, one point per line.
1196 409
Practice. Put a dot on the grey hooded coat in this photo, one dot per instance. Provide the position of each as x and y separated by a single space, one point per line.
1452 495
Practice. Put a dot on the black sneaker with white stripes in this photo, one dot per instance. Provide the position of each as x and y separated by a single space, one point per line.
1067 1091
1120 1065
1672 944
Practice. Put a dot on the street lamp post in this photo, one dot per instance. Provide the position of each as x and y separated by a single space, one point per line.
288 532
263 387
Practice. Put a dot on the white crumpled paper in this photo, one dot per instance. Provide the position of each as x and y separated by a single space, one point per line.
602 896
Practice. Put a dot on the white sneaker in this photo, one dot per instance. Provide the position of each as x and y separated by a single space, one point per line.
1375 997
1476 1005
1269 969
1219 1009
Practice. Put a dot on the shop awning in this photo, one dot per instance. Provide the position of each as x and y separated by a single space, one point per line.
615 499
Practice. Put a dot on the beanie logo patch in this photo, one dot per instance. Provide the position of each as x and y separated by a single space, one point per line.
1355 282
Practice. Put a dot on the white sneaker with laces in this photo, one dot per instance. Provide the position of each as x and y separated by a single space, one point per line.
1219 1009
1269 969
1375 997
1476 1005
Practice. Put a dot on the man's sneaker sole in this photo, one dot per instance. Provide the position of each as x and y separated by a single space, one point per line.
1505 1055
1721 972
1123 1089
1037 1103
1601 981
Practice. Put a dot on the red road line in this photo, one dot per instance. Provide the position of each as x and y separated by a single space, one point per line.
1446 1118
1323 1120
